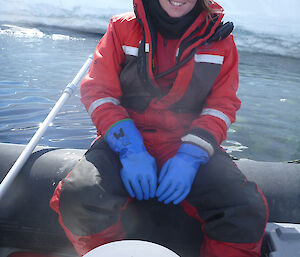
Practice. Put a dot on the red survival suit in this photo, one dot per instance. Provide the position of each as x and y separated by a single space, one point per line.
195 103
201 104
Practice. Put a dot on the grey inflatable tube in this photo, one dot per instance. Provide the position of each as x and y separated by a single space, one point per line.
26 216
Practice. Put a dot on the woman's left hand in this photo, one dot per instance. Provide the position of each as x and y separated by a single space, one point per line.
178 174
175 180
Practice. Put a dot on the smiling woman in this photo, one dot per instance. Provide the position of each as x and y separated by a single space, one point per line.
177 8
262 132
161 92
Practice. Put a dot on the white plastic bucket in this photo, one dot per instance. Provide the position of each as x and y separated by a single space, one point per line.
131 248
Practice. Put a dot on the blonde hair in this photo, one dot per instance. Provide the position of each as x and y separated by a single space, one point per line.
205 5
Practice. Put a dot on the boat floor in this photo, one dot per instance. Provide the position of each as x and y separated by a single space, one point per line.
281 240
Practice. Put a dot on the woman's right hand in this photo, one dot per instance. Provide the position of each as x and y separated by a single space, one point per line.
139 174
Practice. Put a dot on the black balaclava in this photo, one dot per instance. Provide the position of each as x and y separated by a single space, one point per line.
169 27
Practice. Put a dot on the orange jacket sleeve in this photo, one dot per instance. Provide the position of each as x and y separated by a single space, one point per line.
222 102
100 89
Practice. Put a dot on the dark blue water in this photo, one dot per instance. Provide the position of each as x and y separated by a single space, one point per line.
35 68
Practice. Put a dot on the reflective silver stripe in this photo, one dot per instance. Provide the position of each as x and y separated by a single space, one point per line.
218 114
147 48
101 101
130 50
200 142
208 58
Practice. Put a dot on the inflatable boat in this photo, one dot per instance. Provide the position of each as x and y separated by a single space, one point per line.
28 224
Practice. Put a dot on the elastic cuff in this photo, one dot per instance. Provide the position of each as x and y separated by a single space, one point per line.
194 151
116 123
201 138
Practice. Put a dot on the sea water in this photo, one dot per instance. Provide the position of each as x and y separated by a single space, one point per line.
43 44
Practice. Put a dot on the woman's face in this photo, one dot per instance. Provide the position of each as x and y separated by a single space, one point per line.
177 8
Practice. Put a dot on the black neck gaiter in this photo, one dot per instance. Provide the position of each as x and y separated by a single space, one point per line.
169 27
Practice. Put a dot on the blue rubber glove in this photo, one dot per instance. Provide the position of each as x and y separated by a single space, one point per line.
178 173
139 172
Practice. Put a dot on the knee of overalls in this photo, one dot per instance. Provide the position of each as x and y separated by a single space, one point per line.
231 208
90 199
